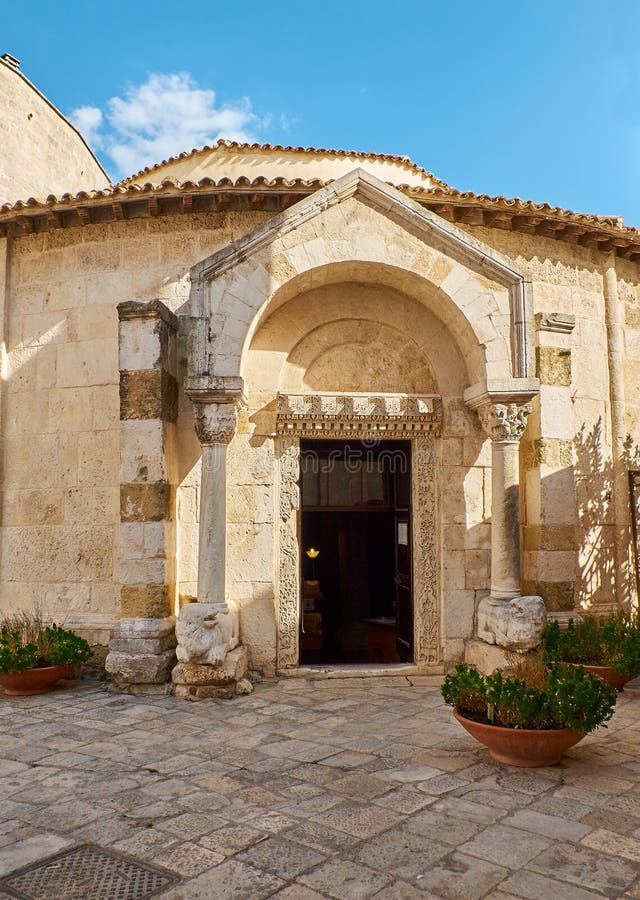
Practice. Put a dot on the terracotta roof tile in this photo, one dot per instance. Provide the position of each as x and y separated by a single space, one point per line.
438 199
281 148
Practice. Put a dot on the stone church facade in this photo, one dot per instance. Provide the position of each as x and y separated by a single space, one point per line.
175 346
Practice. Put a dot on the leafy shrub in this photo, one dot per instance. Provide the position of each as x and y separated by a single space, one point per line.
27 643
571 698
614 641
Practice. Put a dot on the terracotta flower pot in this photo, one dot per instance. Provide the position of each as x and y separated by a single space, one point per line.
522 746
615 680
34 681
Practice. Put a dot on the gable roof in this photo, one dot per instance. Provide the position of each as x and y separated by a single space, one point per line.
170 196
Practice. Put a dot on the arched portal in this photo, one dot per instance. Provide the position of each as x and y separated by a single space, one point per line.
357 312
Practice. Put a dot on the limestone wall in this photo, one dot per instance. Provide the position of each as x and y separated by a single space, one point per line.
568 509
60 423
42 153
61 408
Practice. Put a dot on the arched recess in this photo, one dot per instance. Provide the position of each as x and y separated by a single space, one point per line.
441 284
353 228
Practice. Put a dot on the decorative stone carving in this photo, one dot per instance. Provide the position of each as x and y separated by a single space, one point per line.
515 624
504 421
205 634
288 577
216 423
425 558
425 561
357 415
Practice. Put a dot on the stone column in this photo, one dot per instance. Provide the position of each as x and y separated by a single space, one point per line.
216 425
210 662
505 617
141 648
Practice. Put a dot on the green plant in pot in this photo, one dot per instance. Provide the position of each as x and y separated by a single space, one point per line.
607 647
35 656
531 715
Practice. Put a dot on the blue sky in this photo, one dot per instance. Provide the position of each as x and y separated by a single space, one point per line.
525 98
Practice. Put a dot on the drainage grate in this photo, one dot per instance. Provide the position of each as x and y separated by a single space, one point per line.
87 872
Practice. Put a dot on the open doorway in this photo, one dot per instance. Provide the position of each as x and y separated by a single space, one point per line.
357 604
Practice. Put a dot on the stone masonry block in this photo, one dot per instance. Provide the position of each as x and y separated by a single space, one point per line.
144 668
148 394
553 366
232 670
149 502
142 456
146 600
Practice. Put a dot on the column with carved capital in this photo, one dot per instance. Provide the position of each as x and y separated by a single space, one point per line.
210 661
215 426
505 617
505 424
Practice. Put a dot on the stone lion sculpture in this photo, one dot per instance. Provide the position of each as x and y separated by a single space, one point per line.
205 634
515 624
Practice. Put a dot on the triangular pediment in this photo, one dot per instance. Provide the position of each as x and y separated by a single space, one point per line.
389 201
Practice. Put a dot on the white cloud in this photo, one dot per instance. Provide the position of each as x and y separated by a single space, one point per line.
165 115
88 120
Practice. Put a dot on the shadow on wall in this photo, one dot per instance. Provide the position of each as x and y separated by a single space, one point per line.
594 480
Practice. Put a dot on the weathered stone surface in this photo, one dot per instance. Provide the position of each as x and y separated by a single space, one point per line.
513 624
140 502
144 668
230 671
553 366
150 601
205 634
148 394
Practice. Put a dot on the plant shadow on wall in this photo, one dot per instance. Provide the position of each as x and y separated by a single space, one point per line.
594 484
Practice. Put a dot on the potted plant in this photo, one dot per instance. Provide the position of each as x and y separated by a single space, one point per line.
35 656
532 715
607 647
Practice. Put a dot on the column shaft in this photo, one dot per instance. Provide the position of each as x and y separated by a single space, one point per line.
212 548
505 520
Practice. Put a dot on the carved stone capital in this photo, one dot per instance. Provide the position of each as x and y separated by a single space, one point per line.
216 423
504 421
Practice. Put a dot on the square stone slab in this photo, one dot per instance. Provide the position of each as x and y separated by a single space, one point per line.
88 871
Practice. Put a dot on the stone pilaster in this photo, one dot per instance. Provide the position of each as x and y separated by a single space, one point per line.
505 617
210 662
142 645
550 531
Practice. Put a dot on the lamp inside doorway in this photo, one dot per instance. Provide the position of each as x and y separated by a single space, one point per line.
313 554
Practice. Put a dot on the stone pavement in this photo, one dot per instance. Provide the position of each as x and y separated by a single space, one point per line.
350 788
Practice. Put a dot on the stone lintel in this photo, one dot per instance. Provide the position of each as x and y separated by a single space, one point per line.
336 414
147 309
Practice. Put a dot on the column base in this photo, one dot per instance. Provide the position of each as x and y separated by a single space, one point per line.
515 624
199 681
141 652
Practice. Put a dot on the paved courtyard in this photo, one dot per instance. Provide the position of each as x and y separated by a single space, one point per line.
346 788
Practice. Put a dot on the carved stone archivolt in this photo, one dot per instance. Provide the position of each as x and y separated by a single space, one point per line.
504 421
357 415
426 589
